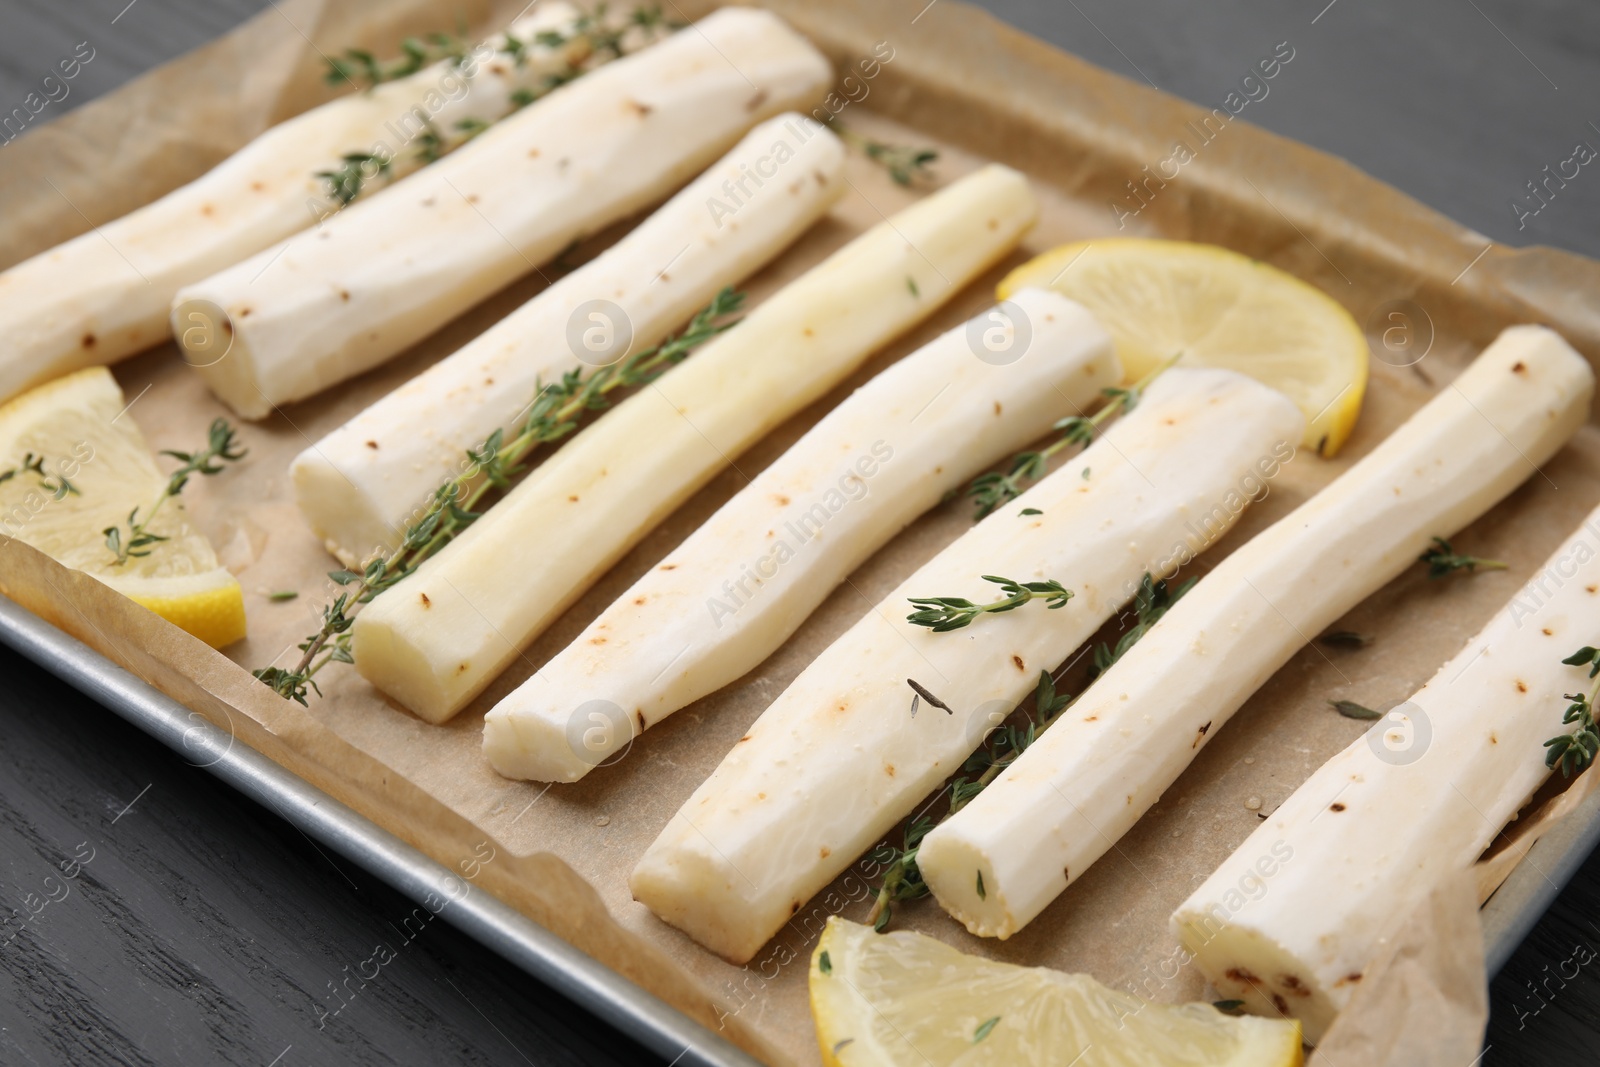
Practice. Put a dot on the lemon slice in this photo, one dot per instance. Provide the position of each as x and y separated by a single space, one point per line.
882 1000
1218 309
75 427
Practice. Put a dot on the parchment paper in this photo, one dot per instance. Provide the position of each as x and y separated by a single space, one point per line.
964 83
1424 1002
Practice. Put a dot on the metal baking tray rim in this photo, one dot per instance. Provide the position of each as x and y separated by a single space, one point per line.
1507 919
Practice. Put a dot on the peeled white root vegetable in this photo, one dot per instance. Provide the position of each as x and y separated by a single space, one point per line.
438 638
1292 919
840 757
394 267
732 593
1087 780
359 486
107 294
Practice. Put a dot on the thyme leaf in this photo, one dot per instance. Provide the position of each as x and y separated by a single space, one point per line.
1351 710
922 693
470 128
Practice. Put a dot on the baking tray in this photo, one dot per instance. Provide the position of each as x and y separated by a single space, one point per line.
998 94
1507 918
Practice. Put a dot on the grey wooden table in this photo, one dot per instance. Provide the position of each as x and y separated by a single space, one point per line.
206 930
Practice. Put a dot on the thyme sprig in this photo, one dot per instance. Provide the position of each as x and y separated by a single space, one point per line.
991 491
596 39
902 879
605 36
431 144
905 165
470 128
1443 561
553 414
595 29
344 182
222 446
1150 602
1575 751
945 613
57 485
360 67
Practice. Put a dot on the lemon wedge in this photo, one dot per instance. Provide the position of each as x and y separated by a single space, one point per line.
882 1000
78 465
1217 309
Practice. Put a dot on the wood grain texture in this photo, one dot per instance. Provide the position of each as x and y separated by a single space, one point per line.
207 930
1460 103
128 39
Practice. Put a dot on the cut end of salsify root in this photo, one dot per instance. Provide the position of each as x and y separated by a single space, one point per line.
971 901
687 885
1245 965
398 652
542 748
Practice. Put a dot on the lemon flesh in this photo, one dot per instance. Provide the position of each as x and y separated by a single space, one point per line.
79 426
883 1000
1215 308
